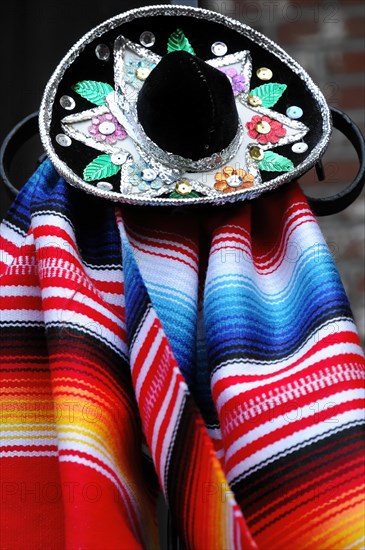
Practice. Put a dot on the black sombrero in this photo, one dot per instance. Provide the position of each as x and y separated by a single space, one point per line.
173 104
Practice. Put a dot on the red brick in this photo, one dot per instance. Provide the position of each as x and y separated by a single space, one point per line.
355 26
360 286
291 32
353 249
351 97
348 62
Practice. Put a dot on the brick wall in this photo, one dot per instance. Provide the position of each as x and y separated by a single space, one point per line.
327 39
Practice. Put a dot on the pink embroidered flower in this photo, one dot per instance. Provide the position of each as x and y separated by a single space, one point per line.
237 80
264 129
107 128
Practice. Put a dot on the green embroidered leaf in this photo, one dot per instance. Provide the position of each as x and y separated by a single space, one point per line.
176 195
272 162
99 168
269 93
93 91
178 41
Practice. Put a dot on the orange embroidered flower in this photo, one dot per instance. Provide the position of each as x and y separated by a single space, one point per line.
231 179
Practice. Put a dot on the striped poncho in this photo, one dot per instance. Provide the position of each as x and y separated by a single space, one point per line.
207 351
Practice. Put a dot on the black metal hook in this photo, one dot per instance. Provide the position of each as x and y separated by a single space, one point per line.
333 204
16 138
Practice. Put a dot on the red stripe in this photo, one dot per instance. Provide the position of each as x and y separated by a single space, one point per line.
280 433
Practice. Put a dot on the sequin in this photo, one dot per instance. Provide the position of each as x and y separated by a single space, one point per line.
294 112
107 128
104 185
147 39
254 100
148 174
142 73
234 181
63 140
67 102
263 127
300 147
119 158
183 187
136 71
219 49
102 52
256 153
263 73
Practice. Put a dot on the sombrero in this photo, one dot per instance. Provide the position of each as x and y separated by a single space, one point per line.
173 105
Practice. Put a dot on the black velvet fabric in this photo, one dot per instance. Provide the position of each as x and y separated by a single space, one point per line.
187 107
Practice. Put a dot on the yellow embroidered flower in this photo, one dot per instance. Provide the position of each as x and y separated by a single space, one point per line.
231 179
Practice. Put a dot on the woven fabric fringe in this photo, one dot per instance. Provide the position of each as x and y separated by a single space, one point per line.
207 351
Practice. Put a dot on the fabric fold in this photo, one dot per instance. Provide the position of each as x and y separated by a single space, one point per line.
210 352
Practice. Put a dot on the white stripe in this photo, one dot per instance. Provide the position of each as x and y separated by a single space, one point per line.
104 273
79 297
295 415
147 324
168 273
142 242
10 232
308 234
7 454
19 290
46 241
10 315
162 411
49 217
286 443
93 446
29 440
242 387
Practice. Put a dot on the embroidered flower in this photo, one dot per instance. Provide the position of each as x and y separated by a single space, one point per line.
143 177
231 179
136 72
106 128
264 129
237 80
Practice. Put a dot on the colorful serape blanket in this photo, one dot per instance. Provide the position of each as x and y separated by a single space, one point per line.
208 351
